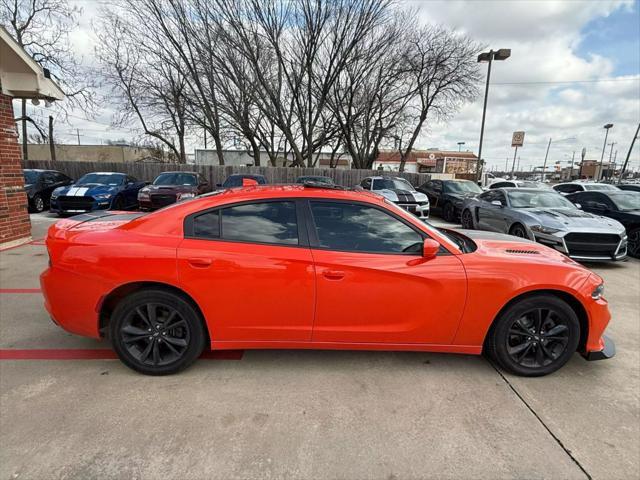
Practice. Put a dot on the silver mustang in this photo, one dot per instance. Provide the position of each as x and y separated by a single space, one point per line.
547 217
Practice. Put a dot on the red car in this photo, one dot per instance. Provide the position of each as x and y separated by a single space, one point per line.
323 268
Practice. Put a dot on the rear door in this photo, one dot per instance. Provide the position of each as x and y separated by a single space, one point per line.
249 267
373 285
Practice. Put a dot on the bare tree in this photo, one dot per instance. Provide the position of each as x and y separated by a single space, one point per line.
43 28
442 71
147 89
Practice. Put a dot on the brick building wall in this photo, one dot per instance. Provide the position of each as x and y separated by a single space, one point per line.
15 226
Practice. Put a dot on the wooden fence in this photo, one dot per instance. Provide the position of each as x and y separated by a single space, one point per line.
217 174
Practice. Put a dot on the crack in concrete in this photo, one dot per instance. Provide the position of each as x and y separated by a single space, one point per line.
553 435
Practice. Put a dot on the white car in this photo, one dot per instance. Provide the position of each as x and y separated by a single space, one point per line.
572 187
399 191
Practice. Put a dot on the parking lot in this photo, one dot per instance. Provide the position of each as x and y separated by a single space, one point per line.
69 410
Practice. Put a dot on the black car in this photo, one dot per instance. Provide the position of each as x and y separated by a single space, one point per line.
619 205
447 196
170 187
39 184
315 179
631 187
236 180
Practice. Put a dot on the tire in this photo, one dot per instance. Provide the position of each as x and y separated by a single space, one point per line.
518 230
145 344
448 212
37 204
467 220
117 203
520 340
633 243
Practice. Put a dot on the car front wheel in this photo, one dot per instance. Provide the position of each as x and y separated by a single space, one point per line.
633 243
535 336
467 220
156 332
37 204
449 213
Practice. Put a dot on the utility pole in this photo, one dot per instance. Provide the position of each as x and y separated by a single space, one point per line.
52 147
626 162
582 155
78 133
604 146
25 152
609 174
544 165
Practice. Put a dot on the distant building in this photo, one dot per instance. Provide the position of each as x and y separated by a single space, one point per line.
428 161
93 153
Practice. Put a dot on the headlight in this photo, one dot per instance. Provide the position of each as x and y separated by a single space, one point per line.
598 292
184 196
143 194
543 229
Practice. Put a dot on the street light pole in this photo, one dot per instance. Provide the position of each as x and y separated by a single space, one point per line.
460 146
544 165
604 146
489 56
626 161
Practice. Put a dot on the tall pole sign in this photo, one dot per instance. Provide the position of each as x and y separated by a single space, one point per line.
582 155
517 140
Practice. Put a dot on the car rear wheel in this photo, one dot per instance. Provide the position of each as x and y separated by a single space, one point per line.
518 231
448 212
156 332
37 203
467 220
535 336
633 243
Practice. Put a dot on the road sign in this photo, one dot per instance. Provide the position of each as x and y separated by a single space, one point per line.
518 139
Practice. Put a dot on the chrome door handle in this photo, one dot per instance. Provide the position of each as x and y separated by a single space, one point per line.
333 274
200 262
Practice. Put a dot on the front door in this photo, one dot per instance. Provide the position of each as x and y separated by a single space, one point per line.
248 268
373 285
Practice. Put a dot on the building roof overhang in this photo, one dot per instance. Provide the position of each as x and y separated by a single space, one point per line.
21 76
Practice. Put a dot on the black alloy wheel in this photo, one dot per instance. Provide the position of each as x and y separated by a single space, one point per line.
518 231
38 203
449 212
633 243
117 203
535 336
157 332
467 220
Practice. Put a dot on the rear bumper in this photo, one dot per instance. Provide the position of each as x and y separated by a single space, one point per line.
608 350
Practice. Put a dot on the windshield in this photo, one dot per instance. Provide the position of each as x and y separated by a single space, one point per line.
175 178
524 199
325 180
626 201
101 179
30 176
462 186
600 186
392 184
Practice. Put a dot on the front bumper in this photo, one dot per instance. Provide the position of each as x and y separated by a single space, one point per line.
608 350
97 204
420 210
606 254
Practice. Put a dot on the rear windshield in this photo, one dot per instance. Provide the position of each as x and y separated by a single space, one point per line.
236 180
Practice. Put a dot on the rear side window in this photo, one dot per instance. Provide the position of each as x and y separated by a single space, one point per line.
359 228
501 185
269 222
207 225
568 188
265 222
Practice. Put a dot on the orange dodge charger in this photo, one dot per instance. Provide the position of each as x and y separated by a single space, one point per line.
322 268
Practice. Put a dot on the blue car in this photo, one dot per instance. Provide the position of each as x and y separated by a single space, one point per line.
97 191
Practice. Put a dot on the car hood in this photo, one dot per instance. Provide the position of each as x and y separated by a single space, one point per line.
87 190
500 245
572 218
463 196
170 189
400 195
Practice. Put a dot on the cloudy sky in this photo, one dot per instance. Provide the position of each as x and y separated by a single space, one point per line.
574 66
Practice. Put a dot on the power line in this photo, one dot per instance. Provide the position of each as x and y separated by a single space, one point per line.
560 82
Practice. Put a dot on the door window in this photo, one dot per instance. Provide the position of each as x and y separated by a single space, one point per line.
359 228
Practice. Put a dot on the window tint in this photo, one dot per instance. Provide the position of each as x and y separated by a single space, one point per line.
207 225
366 183
49 178
352 227
501 185
268 222
568 188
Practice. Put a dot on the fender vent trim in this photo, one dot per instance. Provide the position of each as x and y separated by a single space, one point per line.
522 252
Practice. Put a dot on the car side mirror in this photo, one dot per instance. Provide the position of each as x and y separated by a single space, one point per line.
430 248
497 203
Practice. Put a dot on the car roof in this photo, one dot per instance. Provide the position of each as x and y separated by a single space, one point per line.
384 177
105 173
177 171
539 190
